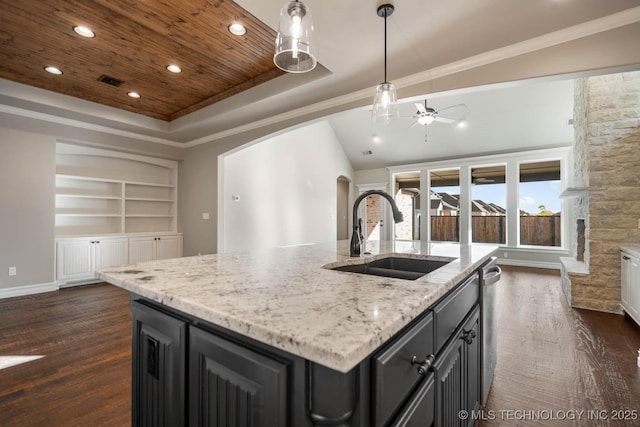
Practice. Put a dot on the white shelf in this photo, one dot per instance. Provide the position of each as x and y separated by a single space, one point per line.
88 178
148 216
90 215
148 184
89 196
147 199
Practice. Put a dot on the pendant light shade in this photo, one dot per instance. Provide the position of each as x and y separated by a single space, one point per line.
294 43
385 103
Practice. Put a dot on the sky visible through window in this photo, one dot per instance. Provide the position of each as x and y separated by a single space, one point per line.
532 195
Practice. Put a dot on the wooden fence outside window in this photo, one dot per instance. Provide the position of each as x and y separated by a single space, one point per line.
534 230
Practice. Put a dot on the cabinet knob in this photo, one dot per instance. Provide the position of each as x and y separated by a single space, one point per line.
468 336
423 366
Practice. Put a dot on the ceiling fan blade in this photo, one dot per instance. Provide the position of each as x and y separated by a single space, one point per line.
420 108
414 124
452 107
444 119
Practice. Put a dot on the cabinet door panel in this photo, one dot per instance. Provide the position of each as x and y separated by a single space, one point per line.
142 249
112 252
472 358
634 283
449 372
230 385
159 368
74 259
168 247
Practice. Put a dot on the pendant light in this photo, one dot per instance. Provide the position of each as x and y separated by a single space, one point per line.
385 103
294 43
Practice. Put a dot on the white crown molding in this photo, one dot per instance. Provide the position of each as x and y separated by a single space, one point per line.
84 125
568 34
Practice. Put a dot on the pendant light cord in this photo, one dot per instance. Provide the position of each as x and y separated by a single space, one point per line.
385 45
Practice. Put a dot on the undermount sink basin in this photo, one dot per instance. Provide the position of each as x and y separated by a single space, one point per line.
396 267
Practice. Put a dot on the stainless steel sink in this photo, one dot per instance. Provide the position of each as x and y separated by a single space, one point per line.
396 267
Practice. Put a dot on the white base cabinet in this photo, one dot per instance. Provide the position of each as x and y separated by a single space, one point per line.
630 291
152 248
77 258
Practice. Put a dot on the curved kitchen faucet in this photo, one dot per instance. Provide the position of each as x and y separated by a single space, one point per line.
356 240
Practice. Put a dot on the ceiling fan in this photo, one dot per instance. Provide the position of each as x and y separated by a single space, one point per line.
426 115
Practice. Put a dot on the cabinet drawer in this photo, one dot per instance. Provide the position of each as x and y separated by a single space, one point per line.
394 374
449 312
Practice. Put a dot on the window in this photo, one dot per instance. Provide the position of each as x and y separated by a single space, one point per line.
445 205
539 204
488 204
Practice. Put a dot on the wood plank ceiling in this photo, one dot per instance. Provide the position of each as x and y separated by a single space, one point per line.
135 41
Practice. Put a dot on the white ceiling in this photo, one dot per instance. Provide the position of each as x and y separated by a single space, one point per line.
499 119
426 39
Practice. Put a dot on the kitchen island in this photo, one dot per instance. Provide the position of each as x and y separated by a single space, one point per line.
278 338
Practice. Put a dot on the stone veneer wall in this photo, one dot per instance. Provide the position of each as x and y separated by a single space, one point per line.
607 162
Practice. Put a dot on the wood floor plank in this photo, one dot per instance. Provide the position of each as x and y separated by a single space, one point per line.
551 358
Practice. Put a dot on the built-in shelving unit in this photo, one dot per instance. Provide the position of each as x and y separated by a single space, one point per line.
112 208
102 192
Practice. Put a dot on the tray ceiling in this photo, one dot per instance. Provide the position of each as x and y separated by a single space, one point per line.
135 41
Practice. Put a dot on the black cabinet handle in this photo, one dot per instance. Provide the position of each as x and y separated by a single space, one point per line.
423 367
468 336
626 258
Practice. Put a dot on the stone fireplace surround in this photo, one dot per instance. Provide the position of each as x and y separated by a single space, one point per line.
606 165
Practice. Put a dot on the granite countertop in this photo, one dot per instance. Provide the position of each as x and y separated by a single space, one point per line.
285 298
631 249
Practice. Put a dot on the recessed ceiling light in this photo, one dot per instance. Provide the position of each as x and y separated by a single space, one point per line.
84 31
53 70
237 29
174 68
133 94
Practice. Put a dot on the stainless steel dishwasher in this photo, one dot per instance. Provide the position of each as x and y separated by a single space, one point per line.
490 275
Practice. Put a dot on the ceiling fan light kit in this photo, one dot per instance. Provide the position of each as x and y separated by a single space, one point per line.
425 115
294 42
385 102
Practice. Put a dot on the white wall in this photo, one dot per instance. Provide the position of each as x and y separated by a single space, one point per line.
27 207
287 190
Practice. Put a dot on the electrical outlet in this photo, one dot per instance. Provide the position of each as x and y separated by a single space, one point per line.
12 271
205 215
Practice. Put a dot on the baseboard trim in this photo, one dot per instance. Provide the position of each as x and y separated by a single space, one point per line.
18 291
525 263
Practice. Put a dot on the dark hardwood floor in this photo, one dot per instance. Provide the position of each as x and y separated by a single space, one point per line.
551 359
554 361
85 377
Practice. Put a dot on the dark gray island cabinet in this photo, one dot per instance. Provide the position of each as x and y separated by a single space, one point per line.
190 372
